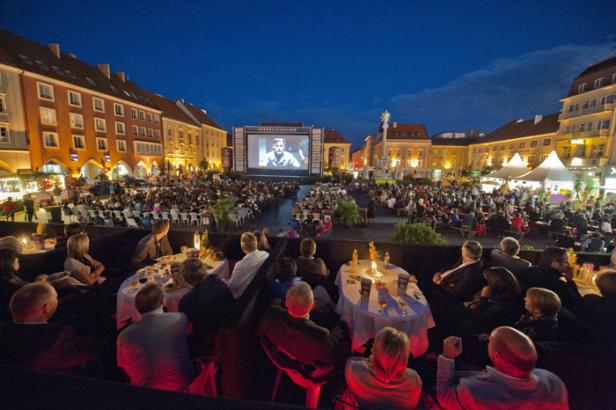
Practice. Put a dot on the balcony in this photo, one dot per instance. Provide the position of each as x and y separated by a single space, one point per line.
586 111
584 134
582 162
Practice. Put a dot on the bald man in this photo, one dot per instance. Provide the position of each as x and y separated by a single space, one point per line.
513 382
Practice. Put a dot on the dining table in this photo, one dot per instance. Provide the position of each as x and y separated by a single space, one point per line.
160 274
384 307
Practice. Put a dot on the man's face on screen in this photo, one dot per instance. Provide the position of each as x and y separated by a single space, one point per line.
278 146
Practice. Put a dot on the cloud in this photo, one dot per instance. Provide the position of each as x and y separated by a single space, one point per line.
509 88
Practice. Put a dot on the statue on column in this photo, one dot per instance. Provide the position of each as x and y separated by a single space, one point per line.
385 117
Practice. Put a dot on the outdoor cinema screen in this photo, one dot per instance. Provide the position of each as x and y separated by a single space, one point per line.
278 152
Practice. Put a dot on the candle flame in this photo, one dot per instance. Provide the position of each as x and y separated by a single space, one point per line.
24 241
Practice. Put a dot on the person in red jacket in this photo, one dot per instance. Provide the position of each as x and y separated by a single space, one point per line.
8 209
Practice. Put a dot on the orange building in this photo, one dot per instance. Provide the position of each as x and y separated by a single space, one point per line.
82 119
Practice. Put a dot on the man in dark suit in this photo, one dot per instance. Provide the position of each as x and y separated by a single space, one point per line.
464 280
209 306
31 342
600 311
507 256
153 245
553 273
296 339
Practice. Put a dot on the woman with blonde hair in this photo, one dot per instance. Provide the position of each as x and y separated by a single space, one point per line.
80 264
384 380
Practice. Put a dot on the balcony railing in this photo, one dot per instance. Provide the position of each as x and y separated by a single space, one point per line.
585 134
586 111
585 162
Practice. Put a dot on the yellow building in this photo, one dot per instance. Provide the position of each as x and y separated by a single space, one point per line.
585 140
533 139
214 137
336 151
407 150
448 156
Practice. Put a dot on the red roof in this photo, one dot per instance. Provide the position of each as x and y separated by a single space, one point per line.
334 137
523 128
406 132
20 52
170 109
605 69
202 116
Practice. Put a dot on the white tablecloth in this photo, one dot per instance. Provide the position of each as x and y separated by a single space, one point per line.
125 309
365 320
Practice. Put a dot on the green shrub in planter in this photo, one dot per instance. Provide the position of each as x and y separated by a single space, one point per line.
349 212
416 234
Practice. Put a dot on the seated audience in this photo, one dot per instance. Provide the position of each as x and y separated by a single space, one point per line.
553 273
69 230
284 271
513 382
80 264
517 222
507 256
9 281
465 279
541 321
246 269
594 243
311 269
297 338
30 341
600 311
154 245
498 223
469 220
154 350
383 379
209 305
498 304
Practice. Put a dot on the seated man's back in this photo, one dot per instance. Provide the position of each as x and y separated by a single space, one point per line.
154 351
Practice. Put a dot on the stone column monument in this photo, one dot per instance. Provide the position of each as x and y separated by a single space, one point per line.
385 117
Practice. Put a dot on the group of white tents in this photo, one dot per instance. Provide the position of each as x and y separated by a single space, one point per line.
551 174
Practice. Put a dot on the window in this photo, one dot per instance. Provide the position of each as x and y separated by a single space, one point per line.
142 131
598 83
502 147
99 104
582 127
586 104
567 152
50 140
169 133
573 107
593 103
4 135
118 109
597 150
121 145
79 142
142 115
150 132
74 98
76 120
156 118
568 129
148 148
605 124
120 130
157 134
133 113
533 144
581 87
2 104
135 130
512 146
522 144
100 125
494 148
48 116
547 142
45 92
149 117
101 144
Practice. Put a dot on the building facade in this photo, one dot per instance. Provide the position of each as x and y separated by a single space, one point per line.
213 136
14 153
407 150
448 156
336 151
585 140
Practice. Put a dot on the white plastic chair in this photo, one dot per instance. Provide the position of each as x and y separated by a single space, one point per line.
131 223
156 216
184 217
165 215
194 218
175 218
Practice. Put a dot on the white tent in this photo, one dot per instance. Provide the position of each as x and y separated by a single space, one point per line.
550 170
511 170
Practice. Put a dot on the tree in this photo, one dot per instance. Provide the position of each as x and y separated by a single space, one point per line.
203 164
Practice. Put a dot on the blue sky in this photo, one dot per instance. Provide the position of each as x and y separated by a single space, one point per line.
337 64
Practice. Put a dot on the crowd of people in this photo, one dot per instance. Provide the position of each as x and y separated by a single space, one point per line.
492 312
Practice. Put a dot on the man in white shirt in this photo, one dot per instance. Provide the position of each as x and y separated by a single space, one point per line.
246 269
154 351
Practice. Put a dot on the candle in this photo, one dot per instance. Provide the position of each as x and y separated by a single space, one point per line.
373 267
24 241
197 241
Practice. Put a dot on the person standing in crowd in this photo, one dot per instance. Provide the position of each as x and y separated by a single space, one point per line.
154 245
8 208
384 380
513 382
154 351
28 207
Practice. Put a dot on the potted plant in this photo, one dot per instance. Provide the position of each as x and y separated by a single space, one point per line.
349 212
221 210
416 234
